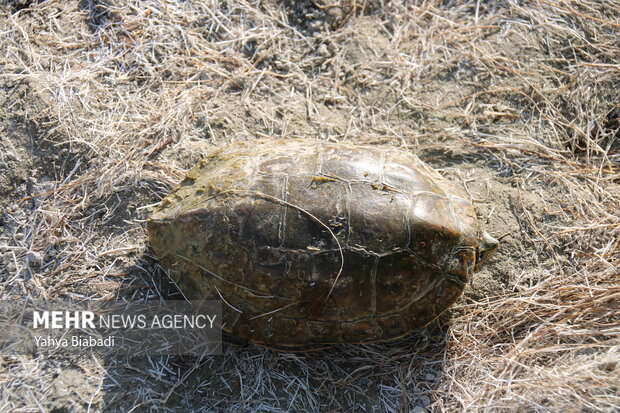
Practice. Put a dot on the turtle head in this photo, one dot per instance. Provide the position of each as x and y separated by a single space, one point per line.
487 247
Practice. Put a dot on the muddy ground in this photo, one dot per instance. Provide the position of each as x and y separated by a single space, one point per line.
106 104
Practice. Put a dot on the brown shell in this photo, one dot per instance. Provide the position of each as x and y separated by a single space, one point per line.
311 243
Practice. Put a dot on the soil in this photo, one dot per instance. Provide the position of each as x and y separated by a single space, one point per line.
103 107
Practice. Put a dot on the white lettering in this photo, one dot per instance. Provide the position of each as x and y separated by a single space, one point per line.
87 319
57 319
41 318
51 341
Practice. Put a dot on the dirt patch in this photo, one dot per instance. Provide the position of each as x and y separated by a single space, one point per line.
29 153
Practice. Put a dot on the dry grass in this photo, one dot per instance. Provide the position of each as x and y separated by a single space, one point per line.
106 104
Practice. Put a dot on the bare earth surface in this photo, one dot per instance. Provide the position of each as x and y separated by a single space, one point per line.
105 104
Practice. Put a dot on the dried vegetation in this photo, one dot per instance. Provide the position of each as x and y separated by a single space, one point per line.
105 104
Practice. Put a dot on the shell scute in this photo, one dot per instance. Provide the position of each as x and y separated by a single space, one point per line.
379 226
305 223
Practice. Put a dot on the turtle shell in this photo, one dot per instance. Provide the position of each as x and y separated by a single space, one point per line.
310 243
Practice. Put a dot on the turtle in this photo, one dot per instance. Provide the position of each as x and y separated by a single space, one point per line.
309 243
